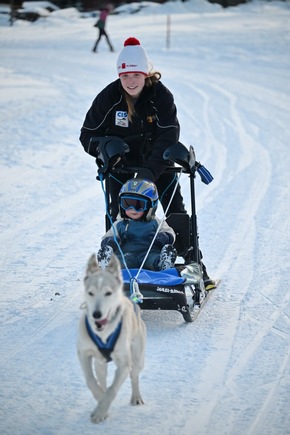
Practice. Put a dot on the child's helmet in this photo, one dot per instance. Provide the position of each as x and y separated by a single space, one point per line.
140 194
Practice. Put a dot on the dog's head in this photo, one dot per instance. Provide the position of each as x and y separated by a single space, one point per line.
103 292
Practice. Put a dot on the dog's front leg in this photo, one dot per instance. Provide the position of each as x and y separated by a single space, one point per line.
138 355
136 398
86 364
101 369
101 411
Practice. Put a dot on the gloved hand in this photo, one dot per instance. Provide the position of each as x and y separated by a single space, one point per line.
110 241
163 239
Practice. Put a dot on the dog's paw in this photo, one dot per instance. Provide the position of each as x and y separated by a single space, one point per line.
136 400
97 416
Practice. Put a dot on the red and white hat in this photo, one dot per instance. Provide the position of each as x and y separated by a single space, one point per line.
133 58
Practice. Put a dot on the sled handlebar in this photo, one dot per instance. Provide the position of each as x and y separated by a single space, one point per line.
109 151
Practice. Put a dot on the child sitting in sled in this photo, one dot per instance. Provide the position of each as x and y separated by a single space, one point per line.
135 229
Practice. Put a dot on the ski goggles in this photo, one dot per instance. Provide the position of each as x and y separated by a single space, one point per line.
138 204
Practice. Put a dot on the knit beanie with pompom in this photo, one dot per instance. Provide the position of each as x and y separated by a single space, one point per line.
133 58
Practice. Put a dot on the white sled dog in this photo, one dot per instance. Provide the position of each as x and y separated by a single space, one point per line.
110 328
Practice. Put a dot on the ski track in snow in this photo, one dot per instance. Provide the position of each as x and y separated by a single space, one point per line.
226 374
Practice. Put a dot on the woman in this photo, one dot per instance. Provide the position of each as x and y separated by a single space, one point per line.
138 108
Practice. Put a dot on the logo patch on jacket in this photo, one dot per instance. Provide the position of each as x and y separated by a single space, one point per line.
151 119
121 119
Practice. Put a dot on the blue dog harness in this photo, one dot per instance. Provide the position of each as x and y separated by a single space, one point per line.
105 348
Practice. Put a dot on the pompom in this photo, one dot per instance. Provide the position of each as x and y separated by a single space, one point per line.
131 41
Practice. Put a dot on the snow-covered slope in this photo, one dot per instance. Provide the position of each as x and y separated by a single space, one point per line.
226 374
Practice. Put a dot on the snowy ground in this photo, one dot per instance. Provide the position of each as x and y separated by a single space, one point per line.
229 372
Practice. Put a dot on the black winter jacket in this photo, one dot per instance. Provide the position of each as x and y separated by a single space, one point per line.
153 129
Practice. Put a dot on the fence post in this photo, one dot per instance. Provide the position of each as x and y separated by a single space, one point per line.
168 32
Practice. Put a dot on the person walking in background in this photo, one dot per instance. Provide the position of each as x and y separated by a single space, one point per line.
101 24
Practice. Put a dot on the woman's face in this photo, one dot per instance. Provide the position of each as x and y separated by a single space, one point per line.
133 83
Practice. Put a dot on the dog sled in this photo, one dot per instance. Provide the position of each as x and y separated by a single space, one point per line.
180 288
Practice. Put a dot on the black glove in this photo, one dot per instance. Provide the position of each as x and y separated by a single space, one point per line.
146 173
110 241
163 239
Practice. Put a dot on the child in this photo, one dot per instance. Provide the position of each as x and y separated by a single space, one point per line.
135 228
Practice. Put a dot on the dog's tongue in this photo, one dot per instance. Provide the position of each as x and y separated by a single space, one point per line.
103 322
100 323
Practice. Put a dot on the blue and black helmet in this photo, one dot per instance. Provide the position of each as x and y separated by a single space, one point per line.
139 194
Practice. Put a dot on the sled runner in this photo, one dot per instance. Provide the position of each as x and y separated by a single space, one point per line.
180 288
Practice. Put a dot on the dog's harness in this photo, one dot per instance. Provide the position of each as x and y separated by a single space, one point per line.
105 348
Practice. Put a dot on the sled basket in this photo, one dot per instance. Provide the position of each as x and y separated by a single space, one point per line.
162 290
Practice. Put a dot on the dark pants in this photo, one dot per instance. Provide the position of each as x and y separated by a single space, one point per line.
165 185
103 33
134 260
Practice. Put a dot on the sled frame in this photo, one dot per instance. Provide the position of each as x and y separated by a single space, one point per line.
185 298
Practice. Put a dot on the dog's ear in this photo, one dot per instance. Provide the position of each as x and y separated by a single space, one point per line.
92 265
114 267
